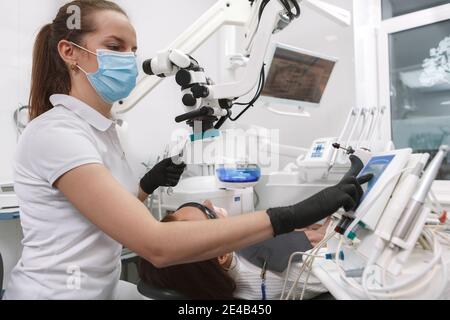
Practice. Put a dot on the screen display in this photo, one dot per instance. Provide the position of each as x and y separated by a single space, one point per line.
318 150
376 166
297 76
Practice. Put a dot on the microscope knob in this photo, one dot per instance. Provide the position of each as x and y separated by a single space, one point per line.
200 91
225 103
183 78
189 100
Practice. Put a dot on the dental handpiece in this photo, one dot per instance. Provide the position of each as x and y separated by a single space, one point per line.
411 212
400 198
177 159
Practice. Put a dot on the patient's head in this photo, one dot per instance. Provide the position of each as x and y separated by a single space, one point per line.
199 280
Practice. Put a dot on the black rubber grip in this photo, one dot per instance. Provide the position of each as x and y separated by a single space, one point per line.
204 111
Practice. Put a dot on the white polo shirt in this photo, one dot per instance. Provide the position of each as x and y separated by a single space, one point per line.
64 255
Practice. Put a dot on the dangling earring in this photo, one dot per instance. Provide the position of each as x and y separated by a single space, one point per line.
74 67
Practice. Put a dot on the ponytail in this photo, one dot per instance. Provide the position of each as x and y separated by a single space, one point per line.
50 74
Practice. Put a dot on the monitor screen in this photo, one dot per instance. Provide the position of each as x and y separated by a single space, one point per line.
376 166
297 75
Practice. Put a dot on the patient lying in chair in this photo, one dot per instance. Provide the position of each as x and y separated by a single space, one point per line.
237 275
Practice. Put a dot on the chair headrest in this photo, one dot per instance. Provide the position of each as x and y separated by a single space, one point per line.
156 293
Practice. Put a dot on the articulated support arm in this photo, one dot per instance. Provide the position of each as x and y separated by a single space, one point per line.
204 101
224 12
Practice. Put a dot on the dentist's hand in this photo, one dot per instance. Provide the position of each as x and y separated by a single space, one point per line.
163 174
347 194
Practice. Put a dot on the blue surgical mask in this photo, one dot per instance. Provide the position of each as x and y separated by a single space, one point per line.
116 75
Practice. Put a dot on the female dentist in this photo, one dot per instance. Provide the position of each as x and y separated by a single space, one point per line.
78 201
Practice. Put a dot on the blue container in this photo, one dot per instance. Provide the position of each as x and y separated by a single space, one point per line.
239 173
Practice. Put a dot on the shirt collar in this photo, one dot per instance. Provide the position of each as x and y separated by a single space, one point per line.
84 111
234 266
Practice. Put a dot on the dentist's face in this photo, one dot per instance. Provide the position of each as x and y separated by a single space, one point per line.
113 31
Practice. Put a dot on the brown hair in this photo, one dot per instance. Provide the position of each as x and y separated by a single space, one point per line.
205 280
50 74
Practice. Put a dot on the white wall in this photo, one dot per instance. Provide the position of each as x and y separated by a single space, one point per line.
20 21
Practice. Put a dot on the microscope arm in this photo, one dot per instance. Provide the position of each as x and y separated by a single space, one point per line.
224 12
272 20
269 24
260 24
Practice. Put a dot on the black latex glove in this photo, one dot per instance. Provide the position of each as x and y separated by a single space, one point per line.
347 193
163 174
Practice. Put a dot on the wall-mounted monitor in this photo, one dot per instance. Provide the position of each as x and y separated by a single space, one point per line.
296 76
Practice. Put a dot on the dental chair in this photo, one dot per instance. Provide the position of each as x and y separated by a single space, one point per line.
1 277
155 293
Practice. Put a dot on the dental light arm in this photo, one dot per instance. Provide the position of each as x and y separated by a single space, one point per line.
223 13
208 105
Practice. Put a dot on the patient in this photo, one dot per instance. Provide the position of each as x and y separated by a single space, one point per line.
229 276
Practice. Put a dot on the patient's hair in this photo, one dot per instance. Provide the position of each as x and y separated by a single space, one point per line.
205 280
